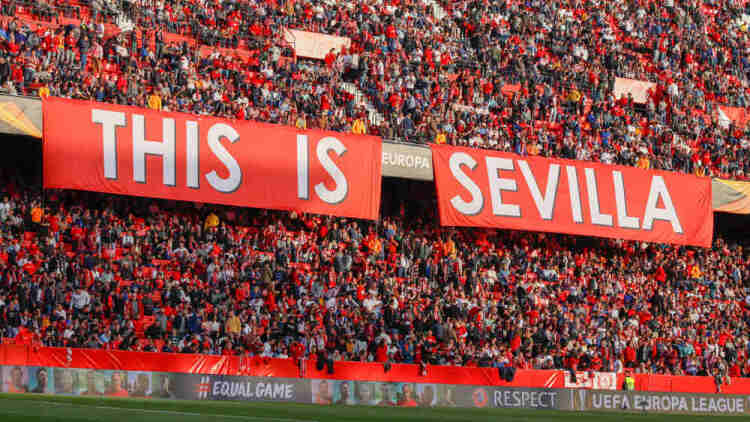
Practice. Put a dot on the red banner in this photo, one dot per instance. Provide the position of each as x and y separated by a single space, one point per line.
479 188
737 115
142 152
23 355
638 89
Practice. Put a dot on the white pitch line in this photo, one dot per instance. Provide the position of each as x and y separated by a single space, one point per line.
173 412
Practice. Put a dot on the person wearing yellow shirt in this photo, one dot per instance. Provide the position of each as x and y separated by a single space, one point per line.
375 246
154 102
449 248
211 221
696 272
43 91
234 325
643 163
300 123
574 96
440 138
358 128
37 213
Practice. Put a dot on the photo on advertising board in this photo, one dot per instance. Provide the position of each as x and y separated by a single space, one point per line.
89 382
322 391
40 380
365 393
65 381
427 395
163 385
116 384
139 384
84 382
381 393
343 393
394 394
385 394
15 379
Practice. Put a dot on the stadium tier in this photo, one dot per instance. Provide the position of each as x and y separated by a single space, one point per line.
587 119
659 85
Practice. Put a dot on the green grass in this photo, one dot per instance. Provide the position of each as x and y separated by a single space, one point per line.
45 408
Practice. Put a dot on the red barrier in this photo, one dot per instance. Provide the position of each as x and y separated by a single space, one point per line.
436 374
687 384
11 354
266 367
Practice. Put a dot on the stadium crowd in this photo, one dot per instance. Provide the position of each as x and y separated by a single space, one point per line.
97 271
533 77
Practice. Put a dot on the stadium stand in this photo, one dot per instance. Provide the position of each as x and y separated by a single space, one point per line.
90 270
537 78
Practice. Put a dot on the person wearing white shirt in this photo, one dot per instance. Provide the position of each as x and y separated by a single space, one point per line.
4 209
68 333
80 299
372 303
267 349
383 337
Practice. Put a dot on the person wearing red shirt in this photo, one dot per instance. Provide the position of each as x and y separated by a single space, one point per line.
14 384
407 396
381 353
630 356
115 385
330 58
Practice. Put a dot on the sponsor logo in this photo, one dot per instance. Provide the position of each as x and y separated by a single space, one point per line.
203 388
527 399
653 402
480 397
238 390
411 161
582 399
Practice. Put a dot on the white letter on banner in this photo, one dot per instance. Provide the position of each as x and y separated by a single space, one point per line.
109 120
575 194
193 154
302 168
142 147
231 183
342 185
668 213
498 184
546 204
623 220
596 216
477 201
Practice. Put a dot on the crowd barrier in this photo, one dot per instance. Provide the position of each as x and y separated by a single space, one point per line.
184 386
87 372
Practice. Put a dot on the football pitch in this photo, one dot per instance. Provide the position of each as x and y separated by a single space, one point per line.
17 408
